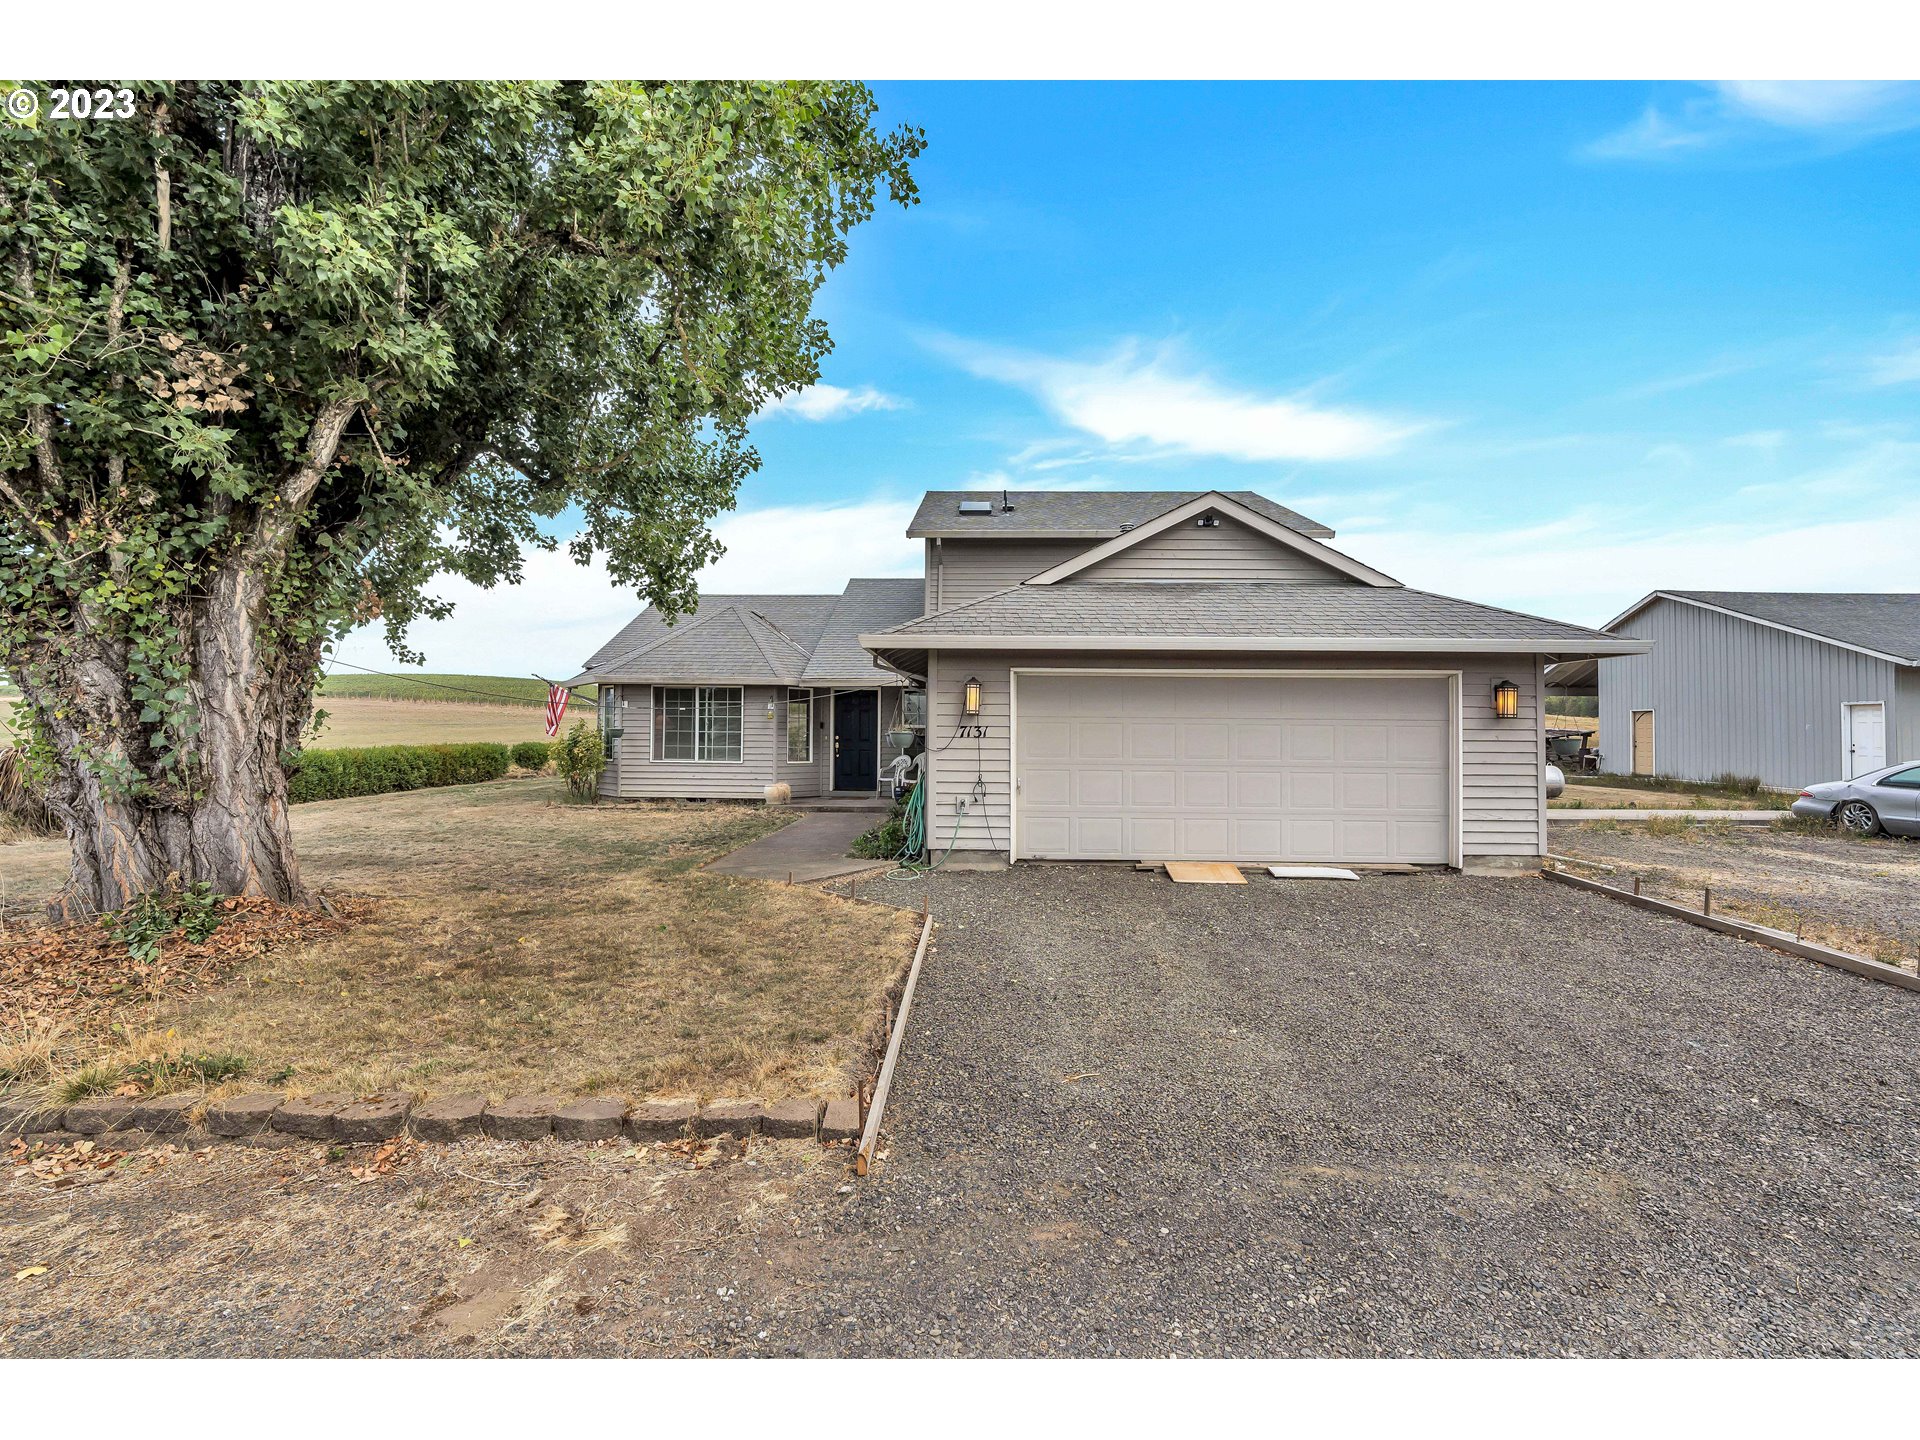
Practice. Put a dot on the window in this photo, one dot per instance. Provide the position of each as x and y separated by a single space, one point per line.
1908 779
610 720
799 727
696 722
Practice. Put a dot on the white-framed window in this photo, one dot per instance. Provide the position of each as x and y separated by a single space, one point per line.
610 720
799 727
696 722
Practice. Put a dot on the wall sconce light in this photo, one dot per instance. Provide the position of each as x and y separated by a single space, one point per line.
970 705
1506 699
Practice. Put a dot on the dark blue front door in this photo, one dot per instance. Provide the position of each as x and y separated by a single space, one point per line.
856 740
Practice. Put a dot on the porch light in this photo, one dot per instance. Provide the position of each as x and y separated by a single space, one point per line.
1506 699
971 704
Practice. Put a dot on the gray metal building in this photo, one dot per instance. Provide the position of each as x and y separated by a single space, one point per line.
1792 688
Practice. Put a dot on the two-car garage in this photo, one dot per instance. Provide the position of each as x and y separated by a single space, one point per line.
1160 765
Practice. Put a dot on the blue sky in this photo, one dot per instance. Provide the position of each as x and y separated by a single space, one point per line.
1545 346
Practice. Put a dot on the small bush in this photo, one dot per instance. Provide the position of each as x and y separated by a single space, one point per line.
383 769
887 839
580 758
532 754
150 919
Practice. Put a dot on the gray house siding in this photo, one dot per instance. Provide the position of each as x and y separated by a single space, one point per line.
1227 551
1733 697
1904 733
963 570
640 777
1503 799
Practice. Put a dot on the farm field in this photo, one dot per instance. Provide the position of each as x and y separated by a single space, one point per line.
362 720
518 944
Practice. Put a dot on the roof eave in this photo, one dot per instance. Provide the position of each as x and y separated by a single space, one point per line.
1423 644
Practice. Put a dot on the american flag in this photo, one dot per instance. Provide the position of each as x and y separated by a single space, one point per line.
556 709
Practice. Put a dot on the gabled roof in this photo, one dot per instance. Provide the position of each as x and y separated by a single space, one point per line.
1884 625
1076 514
802 617
759 639
1142 615
1218 501
866 605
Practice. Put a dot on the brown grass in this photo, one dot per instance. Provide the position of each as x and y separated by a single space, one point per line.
362 720
523 944
1589 795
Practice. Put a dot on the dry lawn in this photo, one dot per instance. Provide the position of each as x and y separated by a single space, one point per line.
1590 795
524 944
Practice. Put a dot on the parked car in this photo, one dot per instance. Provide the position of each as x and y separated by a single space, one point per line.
1886 799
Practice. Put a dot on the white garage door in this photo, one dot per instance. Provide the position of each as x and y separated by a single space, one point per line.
1188 767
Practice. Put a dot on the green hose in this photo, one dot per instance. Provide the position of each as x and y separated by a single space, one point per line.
915 823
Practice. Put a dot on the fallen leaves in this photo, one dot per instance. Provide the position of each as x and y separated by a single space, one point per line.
384 1161
82 974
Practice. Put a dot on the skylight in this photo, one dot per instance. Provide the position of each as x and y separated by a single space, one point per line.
976 507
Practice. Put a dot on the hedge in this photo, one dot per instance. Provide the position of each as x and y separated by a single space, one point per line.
532 754
379 769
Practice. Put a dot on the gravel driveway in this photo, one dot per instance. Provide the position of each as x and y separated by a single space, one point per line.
1431 1115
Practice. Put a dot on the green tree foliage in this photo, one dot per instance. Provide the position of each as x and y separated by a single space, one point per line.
274 355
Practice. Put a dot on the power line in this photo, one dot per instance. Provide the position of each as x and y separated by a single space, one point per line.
440 685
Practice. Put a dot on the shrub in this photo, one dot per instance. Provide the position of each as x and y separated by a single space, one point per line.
532 754
580 758
381 769
20 799
886 840
150 919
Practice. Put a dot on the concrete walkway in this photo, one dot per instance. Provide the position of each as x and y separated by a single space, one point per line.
1736 817
813 848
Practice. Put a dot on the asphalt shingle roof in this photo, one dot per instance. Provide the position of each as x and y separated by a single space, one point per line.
1887 623
1236 610
1097 514
866 606
762 639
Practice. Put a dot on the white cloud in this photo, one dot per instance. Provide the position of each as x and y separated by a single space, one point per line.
1899 366
1135 399
1587 567
829 402
562 612
1835 113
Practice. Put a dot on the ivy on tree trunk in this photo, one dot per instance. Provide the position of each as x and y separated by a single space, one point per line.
274 355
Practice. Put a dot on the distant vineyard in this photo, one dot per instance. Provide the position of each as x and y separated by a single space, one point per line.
463 689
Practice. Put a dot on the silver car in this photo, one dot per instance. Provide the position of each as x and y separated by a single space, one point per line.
1886 800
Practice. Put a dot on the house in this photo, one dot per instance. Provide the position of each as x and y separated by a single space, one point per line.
1139 675
751 691
1790 688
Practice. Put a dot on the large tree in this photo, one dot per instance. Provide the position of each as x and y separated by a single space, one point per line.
274 355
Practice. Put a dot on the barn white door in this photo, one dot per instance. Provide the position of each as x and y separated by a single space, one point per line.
1866 739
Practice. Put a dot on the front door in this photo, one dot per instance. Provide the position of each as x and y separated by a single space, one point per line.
1866 739
856 740
1643 742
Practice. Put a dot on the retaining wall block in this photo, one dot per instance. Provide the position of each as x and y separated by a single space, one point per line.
450 1118
595 1118
366 1122
239 1115
165 1114
311 1117
525 1117
660 1119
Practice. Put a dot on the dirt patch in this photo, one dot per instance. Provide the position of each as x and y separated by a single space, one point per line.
1861 896
485 1247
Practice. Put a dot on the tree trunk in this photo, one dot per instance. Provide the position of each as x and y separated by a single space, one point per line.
222 816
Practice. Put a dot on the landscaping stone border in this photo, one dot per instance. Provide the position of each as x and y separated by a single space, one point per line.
267 1118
